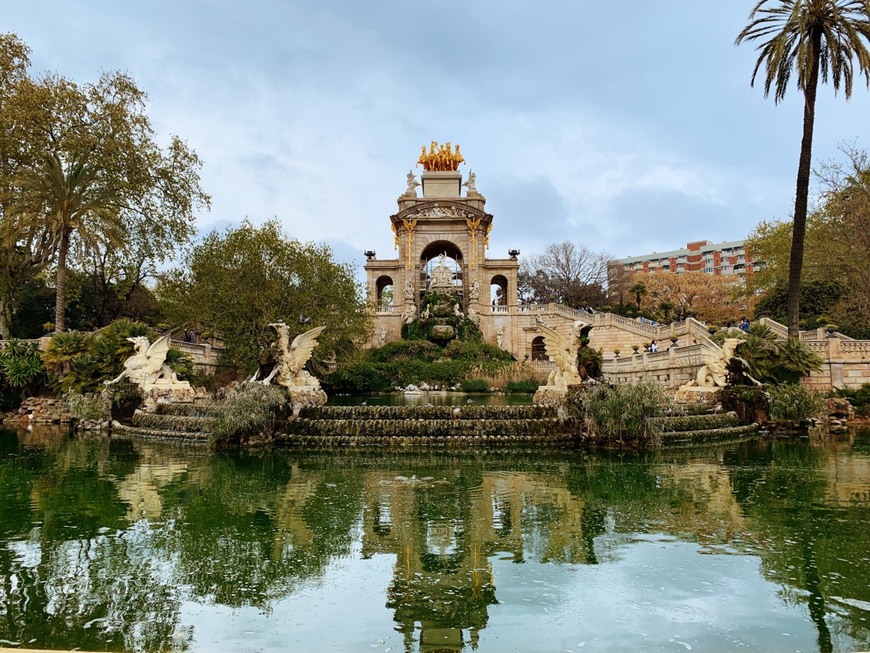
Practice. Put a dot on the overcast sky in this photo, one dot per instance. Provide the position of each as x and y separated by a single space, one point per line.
626 127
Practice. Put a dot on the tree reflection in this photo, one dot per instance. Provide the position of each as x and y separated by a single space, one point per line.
809 509
105 540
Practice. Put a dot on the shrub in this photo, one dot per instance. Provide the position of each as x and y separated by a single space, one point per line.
21 372
794 360
794 403
475 351
62 349
356 378
405 350
860 398
246 410
475 385
775 361
620 413
528 386
591 360
90 407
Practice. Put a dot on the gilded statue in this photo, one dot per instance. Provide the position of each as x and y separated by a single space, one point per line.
444 158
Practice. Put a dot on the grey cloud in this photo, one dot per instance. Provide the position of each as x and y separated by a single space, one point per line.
661 220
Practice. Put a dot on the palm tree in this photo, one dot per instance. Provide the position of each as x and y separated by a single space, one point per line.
67 199
666 307
812 38
638 290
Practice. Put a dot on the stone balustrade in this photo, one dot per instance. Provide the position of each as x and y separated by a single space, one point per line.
672 368
846 363
204 355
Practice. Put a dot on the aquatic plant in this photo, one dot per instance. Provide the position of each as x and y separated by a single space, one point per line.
622 413
246 410
792 402
88 407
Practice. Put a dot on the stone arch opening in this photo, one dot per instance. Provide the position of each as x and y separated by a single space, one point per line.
431 258
384 292
539 351
498 290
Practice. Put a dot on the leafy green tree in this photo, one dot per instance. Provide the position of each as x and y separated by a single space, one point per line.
818 297
71 199
836 271
21 251
85 172
814 39
235 284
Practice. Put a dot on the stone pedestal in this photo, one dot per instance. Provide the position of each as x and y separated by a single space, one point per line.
693 394
549 395
178 392
302 396
442 184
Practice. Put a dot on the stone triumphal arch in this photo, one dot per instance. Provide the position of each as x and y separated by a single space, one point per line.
442 224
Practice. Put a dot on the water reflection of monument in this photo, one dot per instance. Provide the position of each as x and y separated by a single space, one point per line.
444 535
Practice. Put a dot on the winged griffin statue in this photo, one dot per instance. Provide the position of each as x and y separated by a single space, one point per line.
147 366
287 359
563 351
285 362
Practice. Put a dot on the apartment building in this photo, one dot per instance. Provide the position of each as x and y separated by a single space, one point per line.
699 256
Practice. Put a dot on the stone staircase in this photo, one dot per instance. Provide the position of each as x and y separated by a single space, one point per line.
177 422
439 426
689 429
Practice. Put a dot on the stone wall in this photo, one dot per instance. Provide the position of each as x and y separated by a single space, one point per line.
204 355
846 364
38 410
672 368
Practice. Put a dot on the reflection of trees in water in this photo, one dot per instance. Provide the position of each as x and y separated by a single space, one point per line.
808 543
246 529
80 579
250 530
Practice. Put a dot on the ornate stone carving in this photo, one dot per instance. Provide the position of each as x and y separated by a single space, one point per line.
303 388
713 373
563 351
412 184
439 212
474 291
147 369
409 314
442 276
472 179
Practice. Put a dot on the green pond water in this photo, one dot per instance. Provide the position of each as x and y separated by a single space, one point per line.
129 545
